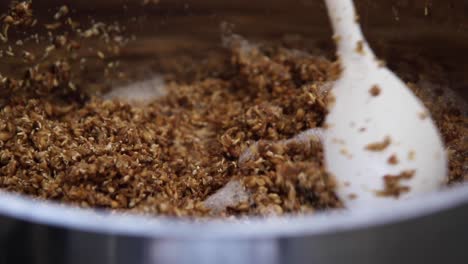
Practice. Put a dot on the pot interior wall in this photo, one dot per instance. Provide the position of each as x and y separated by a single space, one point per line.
434 29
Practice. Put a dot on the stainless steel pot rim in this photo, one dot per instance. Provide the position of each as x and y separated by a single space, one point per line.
106 222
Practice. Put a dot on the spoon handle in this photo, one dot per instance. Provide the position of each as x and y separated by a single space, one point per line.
351 45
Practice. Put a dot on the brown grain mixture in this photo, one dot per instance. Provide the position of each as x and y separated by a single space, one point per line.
375 90
20 14
393 186
379 146
393 160
60 141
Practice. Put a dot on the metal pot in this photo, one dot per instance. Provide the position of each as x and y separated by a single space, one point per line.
427 229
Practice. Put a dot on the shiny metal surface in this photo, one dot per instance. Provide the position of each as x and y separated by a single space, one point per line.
437 239
429 229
